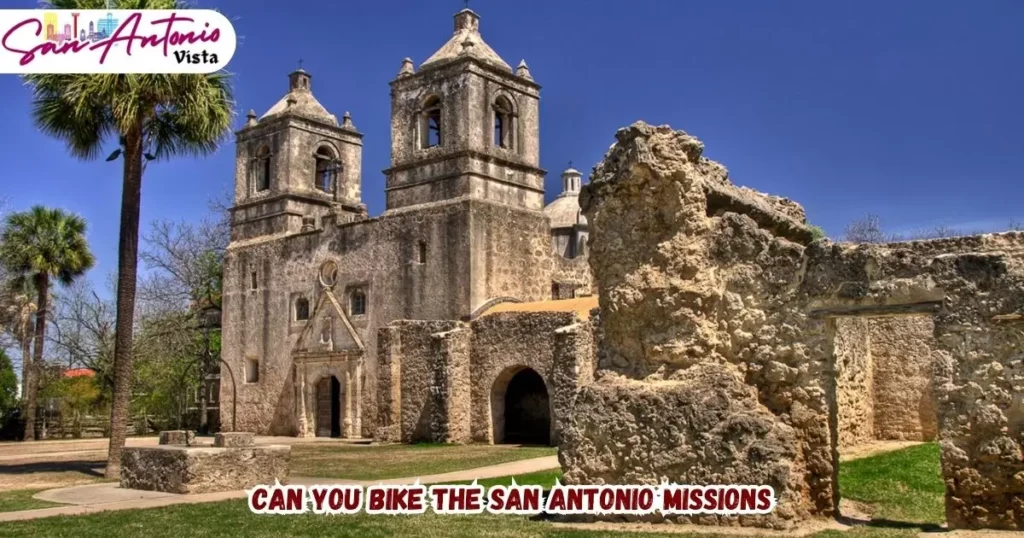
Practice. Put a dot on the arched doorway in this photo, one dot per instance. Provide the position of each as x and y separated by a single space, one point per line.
328 407
526 416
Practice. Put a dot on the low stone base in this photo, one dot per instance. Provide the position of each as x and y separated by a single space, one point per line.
177 437
234 439
704 427
179 469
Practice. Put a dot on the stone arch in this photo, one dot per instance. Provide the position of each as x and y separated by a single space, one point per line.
329 412
521 407
326 168
505 120
430 121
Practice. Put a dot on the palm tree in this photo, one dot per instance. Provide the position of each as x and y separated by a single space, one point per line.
37 245
154 117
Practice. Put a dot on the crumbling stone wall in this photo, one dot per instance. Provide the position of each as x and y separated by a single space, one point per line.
974 287
902 393
854 381
883 368
718 330
713 372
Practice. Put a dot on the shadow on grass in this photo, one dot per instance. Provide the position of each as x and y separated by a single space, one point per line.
86 467
890 524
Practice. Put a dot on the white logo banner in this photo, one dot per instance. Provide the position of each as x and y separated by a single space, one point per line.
115 41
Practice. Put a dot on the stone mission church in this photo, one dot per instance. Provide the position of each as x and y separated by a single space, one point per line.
311 281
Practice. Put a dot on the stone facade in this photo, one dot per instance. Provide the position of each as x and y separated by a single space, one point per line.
309 277
725 339
451 381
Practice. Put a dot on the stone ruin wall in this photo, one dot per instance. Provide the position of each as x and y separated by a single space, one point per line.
719 316
854 376
884 388
439 379
901 355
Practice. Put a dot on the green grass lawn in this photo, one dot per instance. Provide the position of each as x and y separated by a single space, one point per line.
903 486
399 461
21 499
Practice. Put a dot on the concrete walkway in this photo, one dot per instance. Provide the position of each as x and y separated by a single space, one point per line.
109 496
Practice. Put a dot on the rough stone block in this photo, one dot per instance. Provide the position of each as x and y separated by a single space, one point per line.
704 427
177 437
179 469
234 439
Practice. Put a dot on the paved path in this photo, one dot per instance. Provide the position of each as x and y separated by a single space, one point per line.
108 496
92 448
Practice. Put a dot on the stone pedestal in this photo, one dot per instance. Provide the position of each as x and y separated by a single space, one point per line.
180 469
177 437
234 439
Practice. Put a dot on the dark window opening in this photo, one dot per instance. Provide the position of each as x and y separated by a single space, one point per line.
503 123
357 303
421 252
326 170
253 282
301 309
431 123
554 290
262 169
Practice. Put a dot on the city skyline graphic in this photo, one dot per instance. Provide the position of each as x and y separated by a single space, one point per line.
76 28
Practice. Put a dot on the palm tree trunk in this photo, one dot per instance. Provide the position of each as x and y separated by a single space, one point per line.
32 382
26 355
127 264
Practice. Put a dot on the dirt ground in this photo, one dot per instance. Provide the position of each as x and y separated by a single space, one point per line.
52 470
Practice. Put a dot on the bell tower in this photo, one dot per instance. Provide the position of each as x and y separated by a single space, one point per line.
295 166
465 125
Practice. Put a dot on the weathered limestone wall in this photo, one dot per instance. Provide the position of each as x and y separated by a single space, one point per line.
504 344
713 373
258 324
884 378
901 354
450 377
854 381
975 288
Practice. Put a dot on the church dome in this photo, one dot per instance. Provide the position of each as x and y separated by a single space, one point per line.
564 211
467 41
300 101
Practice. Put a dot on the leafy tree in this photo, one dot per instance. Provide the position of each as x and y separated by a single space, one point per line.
153 117
8 387
37 245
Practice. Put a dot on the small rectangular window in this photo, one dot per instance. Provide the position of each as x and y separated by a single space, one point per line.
421 252
252 370
253 282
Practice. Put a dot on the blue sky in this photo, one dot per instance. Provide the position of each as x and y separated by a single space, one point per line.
911 110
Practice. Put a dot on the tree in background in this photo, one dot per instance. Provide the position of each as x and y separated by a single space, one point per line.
39 245
154 117
8 387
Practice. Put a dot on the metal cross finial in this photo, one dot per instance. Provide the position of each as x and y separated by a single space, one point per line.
300 63
570 163
467 3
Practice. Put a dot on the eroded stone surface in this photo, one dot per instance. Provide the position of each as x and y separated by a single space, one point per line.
234 439
178 469
177 437
694 273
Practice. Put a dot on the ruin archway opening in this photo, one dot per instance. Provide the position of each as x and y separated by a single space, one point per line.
522 408
328 407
